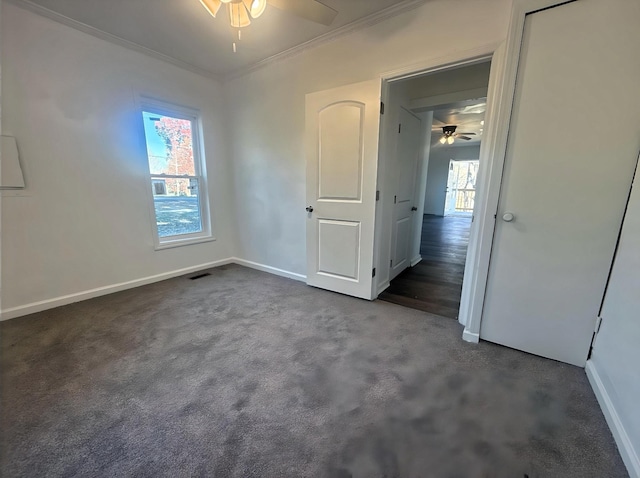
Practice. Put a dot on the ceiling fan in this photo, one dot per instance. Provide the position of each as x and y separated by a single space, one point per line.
242 11
449 135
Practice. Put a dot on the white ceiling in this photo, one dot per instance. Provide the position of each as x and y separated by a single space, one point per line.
184 31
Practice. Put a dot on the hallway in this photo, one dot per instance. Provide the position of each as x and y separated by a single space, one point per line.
434 284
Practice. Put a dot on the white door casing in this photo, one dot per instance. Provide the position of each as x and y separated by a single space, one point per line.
342 130
565 186
405 166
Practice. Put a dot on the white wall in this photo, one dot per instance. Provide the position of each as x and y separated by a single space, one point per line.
84 221
267 111
450 81
1 132
438 173
615 362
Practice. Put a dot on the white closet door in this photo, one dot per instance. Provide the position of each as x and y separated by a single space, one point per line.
572 148
406 165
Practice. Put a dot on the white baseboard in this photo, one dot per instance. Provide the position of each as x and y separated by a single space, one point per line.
269 269
469 336
39 306
415 260
625 446
382 287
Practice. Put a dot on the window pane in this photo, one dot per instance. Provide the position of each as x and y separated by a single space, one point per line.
178 208
169 145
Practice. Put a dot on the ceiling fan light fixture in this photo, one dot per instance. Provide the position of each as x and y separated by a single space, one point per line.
238 15
240 12
255 7
212 6
450 140
443 140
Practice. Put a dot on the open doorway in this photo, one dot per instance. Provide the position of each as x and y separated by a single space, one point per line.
451 107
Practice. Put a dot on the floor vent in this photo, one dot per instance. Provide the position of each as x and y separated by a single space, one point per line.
199 276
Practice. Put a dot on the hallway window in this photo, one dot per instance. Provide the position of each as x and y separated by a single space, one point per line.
176 173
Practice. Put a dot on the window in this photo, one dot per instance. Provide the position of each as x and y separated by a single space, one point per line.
461 187
176 170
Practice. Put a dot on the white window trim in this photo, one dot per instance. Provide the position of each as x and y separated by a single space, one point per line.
164 108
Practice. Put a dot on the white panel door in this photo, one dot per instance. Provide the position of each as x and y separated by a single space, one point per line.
571 152
406 166
342 128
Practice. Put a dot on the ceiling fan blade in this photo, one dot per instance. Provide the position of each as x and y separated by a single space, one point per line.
466 138
470 134
308 9
212 6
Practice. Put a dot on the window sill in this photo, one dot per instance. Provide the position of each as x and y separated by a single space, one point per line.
183 242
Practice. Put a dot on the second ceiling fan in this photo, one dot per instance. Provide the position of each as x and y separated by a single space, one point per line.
449 135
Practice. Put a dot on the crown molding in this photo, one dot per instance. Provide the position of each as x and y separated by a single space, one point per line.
344 30
88 29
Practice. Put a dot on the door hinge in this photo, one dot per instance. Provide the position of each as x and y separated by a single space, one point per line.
395 198
373 272
598 324
381 108
399 127
593 337
391 263
377 195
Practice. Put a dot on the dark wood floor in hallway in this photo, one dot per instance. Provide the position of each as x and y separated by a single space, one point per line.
434 284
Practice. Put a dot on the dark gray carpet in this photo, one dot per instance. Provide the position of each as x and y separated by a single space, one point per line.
246 374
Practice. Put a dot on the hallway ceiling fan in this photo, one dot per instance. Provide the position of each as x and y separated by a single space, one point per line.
449 135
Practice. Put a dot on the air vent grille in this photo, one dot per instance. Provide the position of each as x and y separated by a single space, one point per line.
199 276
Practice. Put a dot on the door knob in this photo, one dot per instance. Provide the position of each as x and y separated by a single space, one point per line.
508 217
309 208
414 208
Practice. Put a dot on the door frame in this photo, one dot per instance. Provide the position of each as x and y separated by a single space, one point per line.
504 57
491 52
